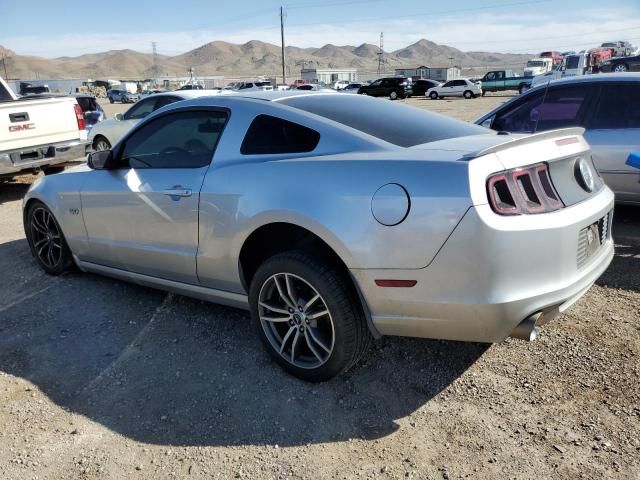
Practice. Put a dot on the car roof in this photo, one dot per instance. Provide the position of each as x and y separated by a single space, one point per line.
595 78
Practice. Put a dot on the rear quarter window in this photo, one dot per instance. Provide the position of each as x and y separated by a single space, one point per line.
269 135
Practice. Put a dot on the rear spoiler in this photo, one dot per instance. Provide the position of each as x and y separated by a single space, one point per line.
563 136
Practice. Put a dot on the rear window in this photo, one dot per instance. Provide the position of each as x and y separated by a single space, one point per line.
400 125
271 135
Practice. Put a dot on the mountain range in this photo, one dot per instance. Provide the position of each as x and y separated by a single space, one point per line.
249 59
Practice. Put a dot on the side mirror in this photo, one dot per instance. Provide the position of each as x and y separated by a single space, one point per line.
99 160
487 123
118 116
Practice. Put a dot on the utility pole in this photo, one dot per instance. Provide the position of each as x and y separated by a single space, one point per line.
155 69
381 54
4 63
284 71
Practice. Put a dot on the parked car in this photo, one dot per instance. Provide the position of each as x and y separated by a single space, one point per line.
621 64
253 86
191 86
39 133
108 133
619 48
352 88
428 242
282 87
153 91
607 106
314 87
421 86
392 87
340 84
123 96
91 109
461 87
503 80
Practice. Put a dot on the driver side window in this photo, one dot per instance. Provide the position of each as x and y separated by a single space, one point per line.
184 139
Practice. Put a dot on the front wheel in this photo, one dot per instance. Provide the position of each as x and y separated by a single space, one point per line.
307 316
468 94
111 100
100 144
433 95
46 240
621 67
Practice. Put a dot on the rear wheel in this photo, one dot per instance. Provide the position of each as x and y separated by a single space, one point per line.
393 95
46 241
111 100
620 67
433 95
307 316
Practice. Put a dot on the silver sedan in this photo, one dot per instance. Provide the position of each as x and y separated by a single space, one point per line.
335 219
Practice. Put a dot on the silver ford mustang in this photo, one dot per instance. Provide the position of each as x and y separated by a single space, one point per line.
335 219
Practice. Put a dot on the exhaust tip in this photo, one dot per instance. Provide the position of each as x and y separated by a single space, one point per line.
526 330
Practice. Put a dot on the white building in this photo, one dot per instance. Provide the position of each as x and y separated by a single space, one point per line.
329 75
440 74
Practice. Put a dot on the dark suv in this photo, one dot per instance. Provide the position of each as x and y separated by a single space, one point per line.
392 87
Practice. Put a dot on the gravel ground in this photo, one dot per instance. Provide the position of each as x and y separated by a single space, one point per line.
104 380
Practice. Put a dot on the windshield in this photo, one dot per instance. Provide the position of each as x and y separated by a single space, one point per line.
609 45
535 63
400 125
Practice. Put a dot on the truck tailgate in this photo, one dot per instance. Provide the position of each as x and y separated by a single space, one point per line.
25 124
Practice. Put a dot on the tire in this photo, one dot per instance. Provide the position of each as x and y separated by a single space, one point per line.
468 94
363 93
483 92
341 335
100 143
393 95
522 88
620 67
433 95
46 240
111 100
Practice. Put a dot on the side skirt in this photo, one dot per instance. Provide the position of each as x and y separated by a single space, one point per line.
230 299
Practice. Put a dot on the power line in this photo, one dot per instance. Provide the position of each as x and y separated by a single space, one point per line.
521 40
425 14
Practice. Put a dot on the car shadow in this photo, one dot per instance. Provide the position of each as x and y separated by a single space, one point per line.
165 369
10 192
623 272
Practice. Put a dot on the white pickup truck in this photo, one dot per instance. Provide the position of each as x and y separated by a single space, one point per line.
39 133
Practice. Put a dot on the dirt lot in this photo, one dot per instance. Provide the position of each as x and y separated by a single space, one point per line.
104 380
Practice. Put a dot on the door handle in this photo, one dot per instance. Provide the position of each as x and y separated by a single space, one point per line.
177 191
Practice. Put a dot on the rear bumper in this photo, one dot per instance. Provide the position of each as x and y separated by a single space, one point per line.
13 162
492 273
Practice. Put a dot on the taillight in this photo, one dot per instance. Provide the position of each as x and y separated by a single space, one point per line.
523 191
82 124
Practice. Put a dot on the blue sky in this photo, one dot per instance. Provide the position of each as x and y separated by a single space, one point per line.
58 28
